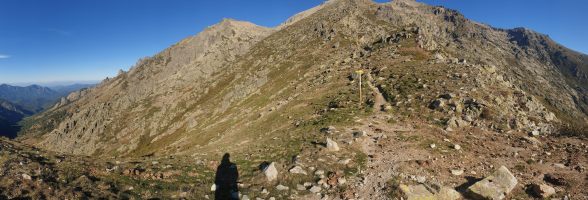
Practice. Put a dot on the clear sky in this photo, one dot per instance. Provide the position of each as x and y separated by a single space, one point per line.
74 40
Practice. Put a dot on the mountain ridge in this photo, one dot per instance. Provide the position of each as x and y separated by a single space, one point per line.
430 37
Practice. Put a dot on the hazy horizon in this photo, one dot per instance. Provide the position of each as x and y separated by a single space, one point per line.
52 83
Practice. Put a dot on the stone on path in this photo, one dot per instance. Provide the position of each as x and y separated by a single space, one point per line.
422 191
495 186
542 190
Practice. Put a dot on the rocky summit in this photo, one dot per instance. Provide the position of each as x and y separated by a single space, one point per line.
352 99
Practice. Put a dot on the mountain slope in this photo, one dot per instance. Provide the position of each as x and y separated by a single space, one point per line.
431 76
197 83
65 90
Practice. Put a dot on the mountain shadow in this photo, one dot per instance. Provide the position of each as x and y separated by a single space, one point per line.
226 180
10 115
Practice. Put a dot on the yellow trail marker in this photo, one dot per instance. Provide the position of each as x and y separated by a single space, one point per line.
359 73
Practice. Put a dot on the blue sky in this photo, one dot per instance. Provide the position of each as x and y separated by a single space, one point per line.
74 40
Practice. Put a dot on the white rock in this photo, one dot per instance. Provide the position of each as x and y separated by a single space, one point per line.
297 170
419 192
344 161
26 177
332 145
433 146
457 172
319 172
420 179
456 147
341 180
315 189
271 173
213 187
300 187
281 187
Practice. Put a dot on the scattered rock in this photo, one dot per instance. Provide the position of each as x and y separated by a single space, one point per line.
300 187
457 172
439 57
297 170
436 104
270 171
542 190
281 187
495 186
555 180
26 177
329 130
534 133
332 145
213 187
344 161
421 179
433 146
559 165
315 189
319 172
341 180
456 147
455 122
421 191
357 134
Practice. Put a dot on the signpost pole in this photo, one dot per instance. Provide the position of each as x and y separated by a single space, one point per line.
359 73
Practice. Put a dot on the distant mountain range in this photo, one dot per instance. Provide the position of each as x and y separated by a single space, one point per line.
18 102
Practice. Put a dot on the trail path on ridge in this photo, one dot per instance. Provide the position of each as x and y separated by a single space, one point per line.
379 99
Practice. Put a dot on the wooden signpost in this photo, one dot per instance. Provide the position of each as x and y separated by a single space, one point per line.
359 74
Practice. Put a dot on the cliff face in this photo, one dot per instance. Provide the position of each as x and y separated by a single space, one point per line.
237 82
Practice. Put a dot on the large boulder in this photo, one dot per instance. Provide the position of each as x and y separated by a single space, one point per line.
421 191
495 186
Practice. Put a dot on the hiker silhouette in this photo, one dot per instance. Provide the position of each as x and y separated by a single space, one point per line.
226 180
